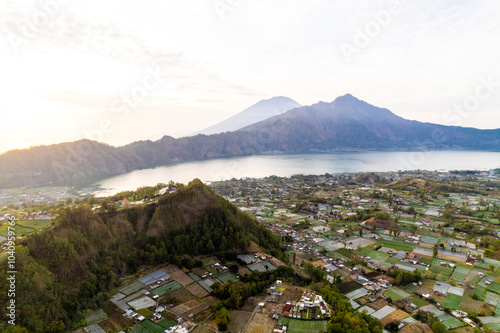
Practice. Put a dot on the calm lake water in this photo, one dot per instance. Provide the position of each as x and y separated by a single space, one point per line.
287 165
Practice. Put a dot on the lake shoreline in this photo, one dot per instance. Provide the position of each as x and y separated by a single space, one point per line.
285 165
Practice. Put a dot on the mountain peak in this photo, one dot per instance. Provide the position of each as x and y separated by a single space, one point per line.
348 98
262 110
348 95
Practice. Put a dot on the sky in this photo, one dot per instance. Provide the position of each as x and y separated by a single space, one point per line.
118 72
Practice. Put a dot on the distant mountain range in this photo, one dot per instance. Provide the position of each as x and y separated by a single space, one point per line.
260 111
345 124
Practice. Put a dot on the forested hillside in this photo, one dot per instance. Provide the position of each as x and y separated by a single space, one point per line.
69 268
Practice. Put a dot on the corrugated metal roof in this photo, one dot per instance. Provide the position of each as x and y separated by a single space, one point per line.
384 312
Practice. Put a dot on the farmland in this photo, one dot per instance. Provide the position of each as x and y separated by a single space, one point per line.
452 301
26 227
303 326
393 243
167 288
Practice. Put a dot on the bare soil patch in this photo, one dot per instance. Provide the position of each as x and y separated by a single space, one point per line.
178 275
197 290
180 309
291 293
261 323
238 320
252 303
416 328
378 304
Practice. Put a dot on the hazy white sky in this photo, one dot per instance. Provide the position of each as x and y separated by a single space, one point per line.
120 71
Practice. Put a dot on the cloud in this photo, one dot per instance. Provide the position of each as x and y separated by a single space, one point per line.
86 55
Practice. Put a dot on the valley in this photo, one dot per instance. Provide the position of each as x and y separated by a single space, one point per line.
404 248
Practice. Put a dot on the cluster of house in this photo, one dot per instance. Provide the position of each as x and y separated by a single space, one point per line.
221 268
262 256
414 259
127 203
462 244
425 222
134 316
156 284
37 197
326 264
280 328
176 329
412 239
45 215
309 303
183 326
464 316
371 285
273 291
156 316
307 247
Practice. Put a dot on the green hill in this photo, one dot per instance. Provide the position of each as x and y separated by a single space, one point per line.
69 268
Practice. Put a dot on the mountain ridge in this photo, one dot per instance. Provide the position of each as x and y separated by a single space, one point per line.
344 124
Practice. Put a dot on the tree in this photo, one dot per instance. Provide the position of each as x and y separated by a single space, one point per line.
316 273
491 267
222 319
435 252
395 230
435 324
12 329
392 326
412 211
438 327
382 216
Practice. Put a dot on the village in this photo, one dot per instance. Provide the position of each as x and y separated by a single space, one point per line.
395 244
360 232
392 249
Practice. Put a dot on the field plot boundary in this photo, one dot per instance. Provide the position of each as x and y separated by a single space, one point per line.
167 288
153 277
260 323
396 293
492 298
303 326
132 288
95 317
141 303
460 273
227 276
452 301
151 326
456 290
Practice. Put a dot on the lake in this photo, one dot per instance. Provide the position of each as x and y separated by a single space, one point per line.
288 165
